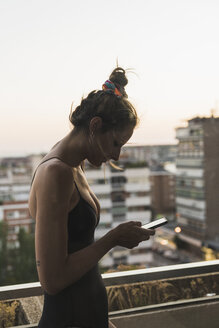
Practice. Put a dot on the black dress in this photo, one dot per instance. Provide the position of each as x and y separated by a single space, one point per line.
84 303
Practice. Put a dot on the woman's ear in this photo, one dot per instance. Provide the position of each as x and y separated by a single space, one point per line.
95 125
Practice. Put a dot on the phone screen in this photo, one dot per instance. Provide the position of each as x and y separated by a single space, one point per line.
155 224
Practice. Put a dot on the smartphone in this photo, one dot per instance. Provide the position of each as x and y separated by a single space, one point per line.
155 224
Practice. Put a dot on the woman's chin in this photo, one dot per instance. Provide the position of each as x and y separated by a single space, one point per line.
96 164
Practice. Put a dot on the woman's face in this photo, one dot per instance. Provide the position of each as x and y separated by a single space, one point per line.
107 146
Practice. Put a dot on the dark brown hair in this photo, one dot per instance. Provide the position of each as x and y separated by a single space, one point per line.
115 112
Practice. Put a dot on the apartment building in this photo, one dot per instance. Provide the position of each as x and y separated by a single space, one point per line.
15 177
197 181
163 184
124 196
16 215
153 155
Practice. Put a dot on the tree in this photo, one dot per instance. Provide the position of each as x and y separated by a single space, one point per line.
3 252
24 264
17 265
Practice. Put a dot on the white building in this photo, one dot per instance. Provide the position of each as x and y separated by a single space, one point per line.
16 215
124 196
197 180
15 177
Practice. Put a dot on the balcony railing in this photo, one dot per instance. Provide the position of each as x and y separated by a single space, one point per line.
201 309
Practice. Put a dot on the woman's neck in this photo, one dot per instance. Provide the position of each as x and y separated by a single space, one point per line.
72 149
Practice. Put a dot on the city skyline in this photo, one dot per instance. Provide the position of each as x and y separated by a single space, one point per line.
53 53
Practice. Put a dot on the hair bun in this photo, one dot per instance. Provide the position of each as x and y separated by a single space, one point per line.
118 77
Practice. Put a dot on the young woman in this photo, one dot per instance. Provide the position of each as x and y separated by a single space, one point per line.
67 211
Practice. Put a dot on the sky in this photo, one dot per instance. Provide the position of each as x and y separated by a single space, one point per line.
53 52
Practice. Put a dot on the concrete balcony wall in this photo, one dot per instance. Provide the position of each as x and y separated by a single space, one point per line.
101 189
143 216
100 232
116 223
117 173
14 206
4 189
19 222
196 173
5 181
190 162
196 204
137 172
105 203
97 174
17 192
21 196
196 182
194 214
182 133
24 179
106 218
21 188
135 187
138 201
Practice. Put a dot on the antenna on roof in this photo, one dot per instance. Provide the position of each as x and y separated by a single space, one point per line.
213 111
216 106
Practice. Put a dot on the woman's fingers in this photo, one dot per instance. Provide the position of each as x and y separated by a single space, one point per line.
130 234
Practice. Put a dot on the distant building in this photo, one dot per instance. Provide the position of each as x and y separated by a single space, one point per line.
15 177
124 196
15 180
197 181
153 155
17 216
163 193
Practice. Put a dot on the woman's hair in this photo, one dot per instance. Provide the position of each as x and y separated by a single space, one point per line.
115 111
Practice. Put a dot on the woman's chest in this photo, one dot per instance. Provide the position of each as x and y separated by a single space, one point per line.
85 192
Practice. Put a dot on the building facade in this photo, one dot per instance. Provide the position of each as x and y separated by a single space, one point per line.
197 181
163 184
124 196
153 155
15 177
16 215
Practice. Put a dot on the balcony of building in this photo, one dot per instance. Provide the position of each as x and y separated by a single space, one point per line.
190 172
190 162
176 296
144 216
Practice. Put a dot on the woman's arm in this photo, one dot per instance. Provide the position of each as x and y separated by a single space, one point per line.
56 268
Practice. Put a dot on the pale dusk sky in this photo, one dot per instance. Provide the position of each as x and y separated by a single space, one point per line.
54 52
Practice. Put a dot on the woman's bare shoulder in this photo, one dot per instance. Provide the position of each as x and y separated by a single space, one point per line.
54 182
54 168
54 176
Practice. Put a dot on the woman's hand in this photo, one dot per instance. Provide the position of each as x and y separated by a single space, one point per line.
130 234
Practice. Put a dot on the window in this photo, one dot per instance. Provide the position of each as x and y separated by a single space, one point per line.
10 214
